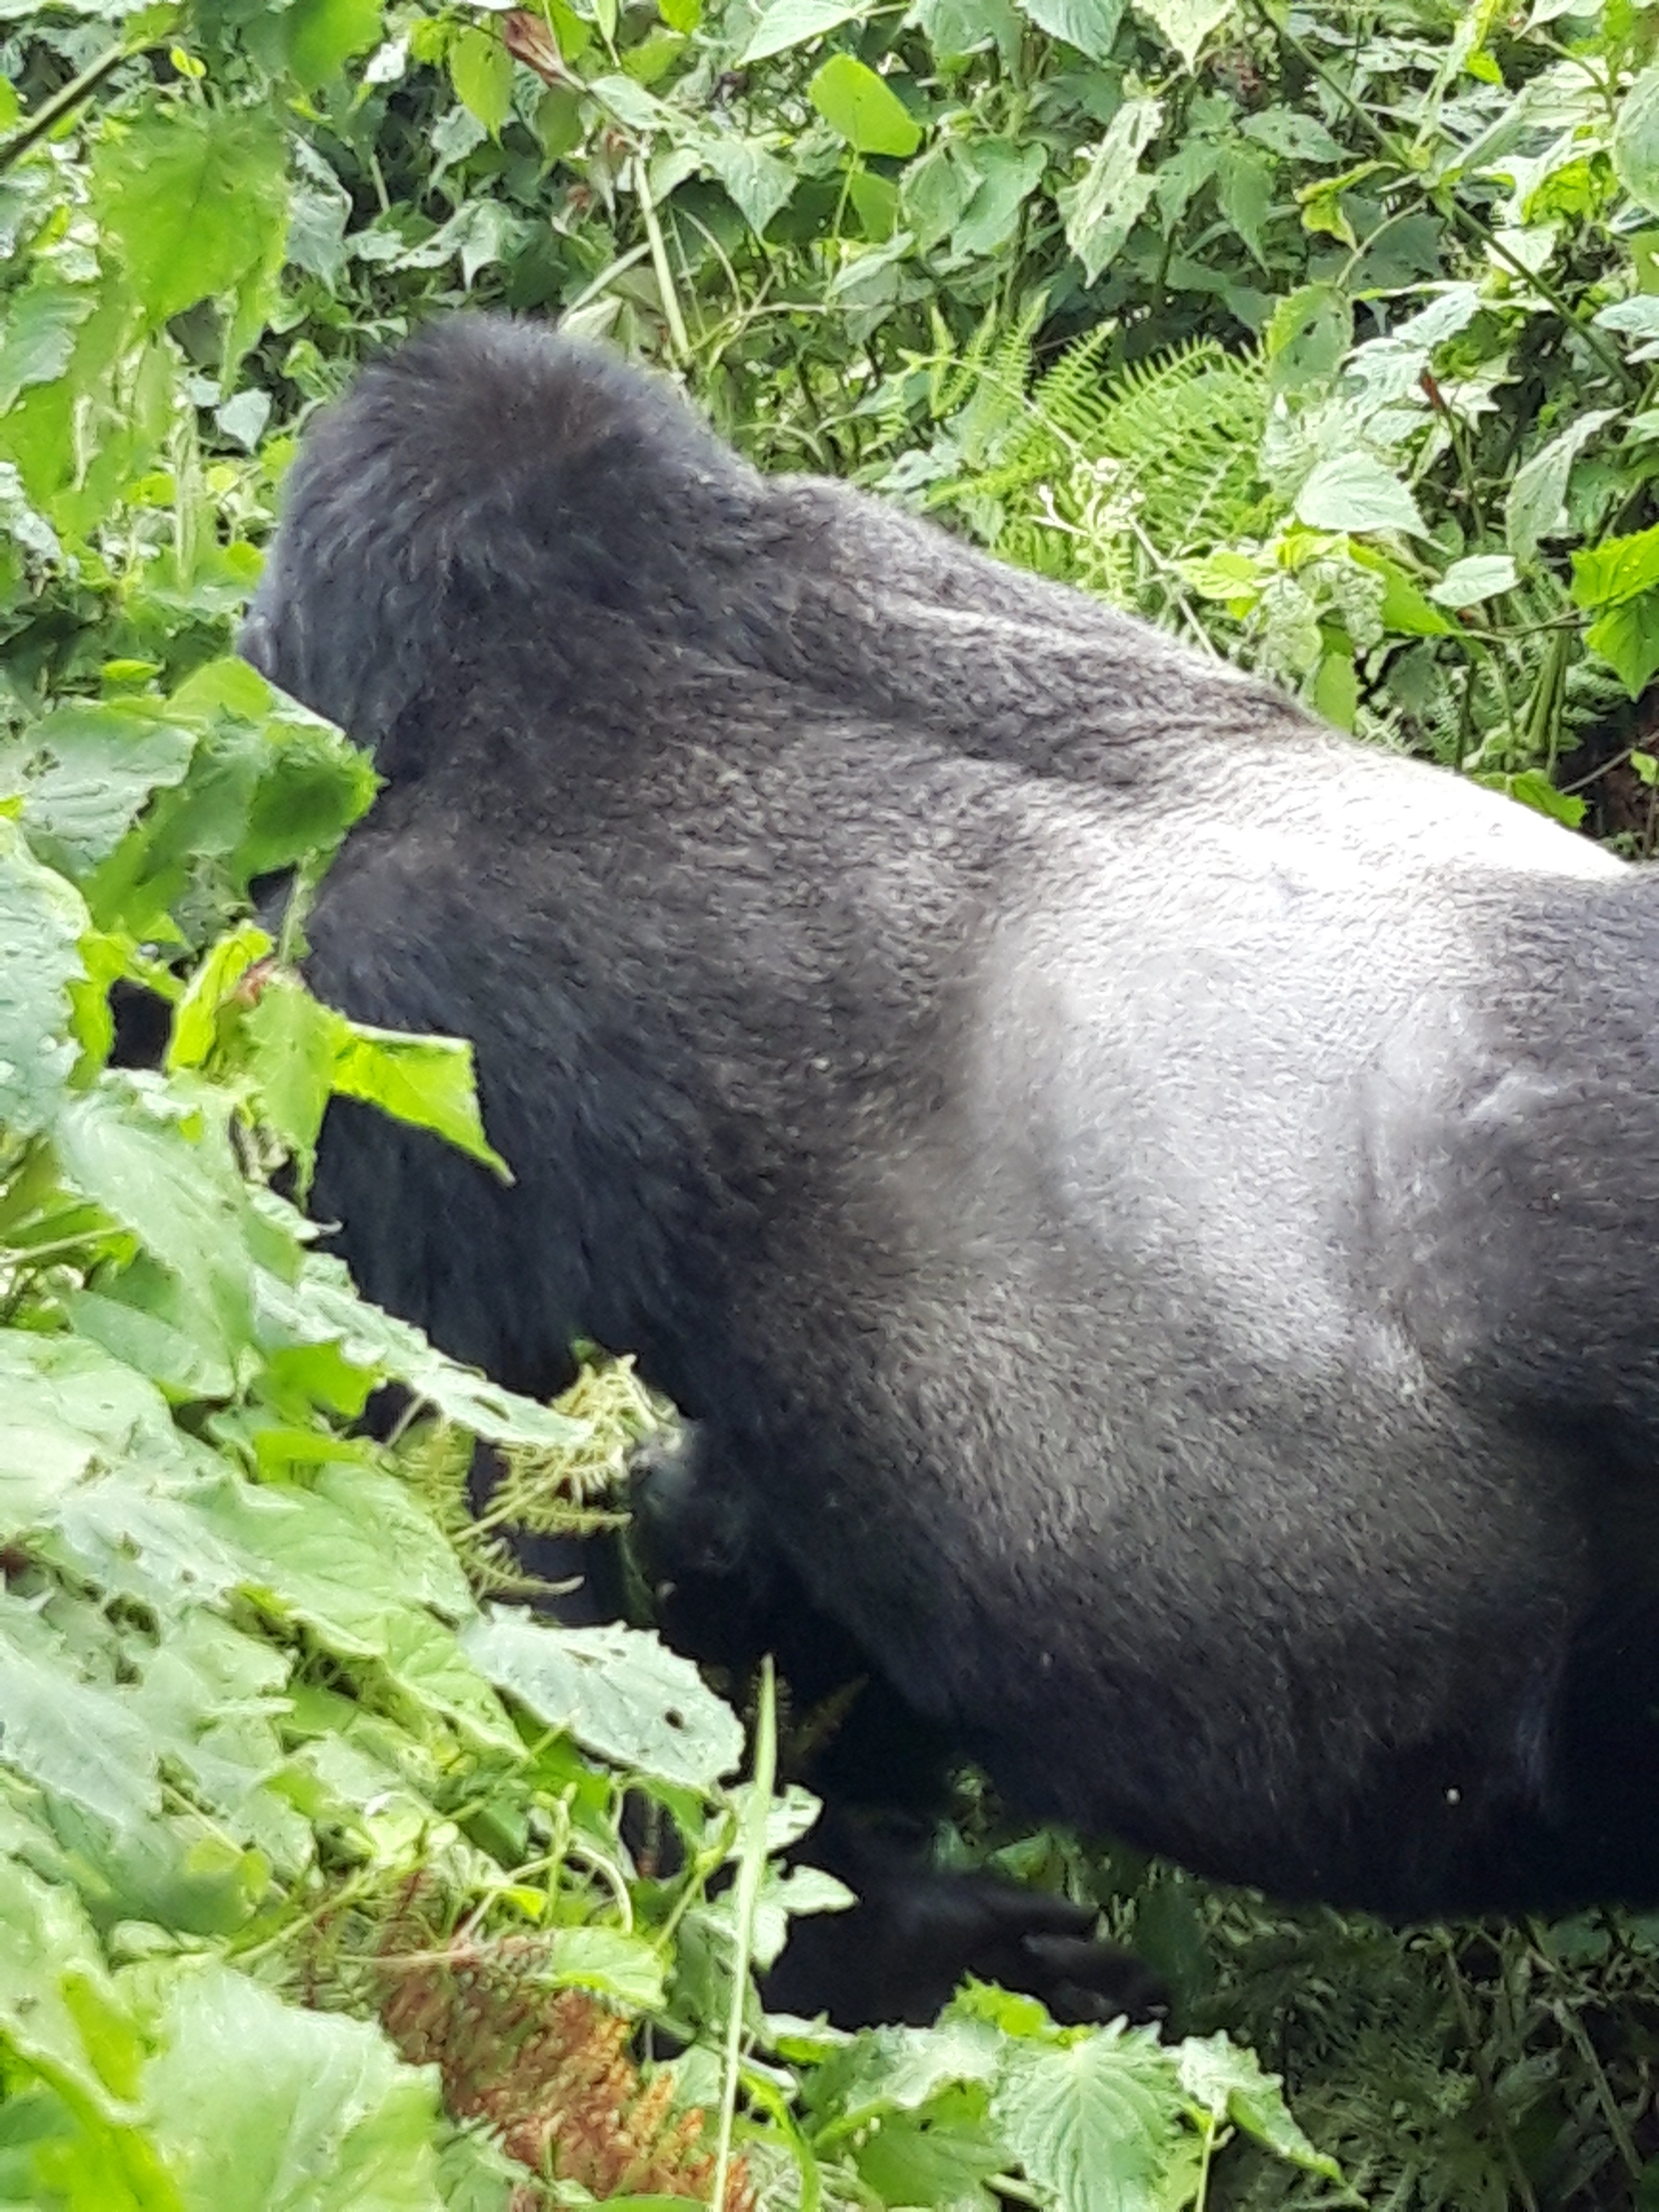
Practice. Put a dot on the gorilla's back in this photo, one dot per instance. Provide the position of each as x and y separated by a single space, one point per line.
1120 1174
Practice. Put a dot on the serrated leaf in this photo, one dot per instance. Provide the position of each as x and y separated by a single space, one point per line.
757 182
1230 2085
619 1692
625 1968
1093 2121
1090 26
789 23
425 1081
84 771
862 108
1536 506
1627 637
480 71
1185 24
1618 568
1355 491
193 198
41 922
323 35
1102 206
321 1307
261 2106
1636 139
80 1743
1478 576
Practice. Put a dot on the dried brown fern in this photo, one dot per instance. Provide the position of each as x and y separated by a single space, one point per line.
550 2070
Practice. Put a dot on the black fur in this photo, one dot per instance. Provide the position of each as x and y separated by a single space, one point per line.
1152 1206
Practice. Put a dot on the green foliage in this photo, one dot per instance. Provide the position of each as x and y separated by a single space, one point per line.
1328 338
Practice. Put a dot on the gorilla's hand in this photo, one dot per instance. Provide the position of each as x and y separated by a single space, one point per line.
900 1953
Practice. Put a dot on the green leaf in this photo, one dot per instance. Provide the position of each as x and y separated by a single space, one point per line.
174 1186
1636 140
1356 491
193 198
1479 576
77 1741
1616 569
291 1048
41 922
863 109
1536 506
196 1017
1093 2121
1090 26
625 1968
84 771
757 181
1308 334
427 1081
1288 131
323 35
41 331
322 1307
480 71
261 2106
1627 636
1102 208
789 23
1532 787
619 1692
1008 175
1230 2085
57 2002
1185 24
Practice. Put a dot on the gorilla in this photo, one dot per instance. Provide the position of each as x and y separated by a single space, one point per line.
1151 1205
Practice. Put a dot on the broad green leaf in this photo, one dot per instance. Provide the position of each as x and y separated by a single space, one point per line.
1185 24
862 108
85 769
1532 787
174 1186
290 1045
625 1968
957 28
1536 506
1229 2084
263 2106
1636 139
1308 333
196 1017
1356 491
619 1692
322 1307
915 2159
425 1080
80 1743
1091 2122
1298 137
193 198
323 35
1627 636
58 2010
789 23
1616 569
39 339
1102 208
480 71
1478 576
1090 26
41 922
1008 175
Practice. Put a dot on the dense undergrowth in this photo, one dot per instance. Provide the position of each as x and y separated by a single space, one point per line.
1326 335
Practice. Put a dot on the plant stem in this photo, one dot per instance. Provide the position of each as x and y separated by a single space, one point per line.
64 102
751 1864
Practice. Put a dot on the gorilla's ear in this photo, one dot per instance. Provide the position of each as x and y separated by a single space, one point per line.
489 475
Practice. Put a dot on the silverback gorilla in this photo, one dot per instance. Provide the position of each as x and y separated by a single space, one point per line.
1152 1206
